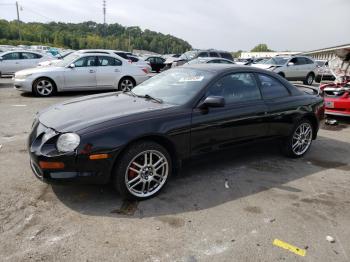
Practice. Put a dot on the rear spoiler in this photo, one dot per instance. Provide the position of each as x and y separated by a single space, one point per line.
307 89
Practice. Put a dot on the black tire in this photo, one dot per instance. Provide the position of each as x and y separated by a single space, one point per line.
309 79
133 154
282 74
287 143
126 84
42 84
318 79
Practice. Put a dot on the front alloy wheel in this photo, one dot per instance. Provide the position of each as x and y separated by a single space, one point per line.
143 170
43 87
146 173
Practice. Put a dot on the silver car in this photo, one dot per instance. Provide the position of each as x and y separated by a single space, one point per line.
297 68
13 61
81 71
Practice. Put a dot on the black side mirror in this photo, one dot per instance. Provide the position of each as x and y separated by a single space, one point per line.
212 101
1 58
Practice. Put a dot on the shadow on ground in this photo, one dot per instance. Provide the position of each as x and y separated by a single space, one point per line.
201 183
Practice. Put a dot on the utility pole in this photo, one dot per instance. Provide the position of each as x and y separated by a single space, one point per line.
19 30
104 11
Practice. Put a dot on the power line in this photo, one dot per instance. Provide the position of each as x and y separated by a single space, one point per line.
35 12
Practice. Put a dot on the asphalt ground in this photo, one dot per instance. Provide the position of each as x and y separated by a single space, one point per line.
228 206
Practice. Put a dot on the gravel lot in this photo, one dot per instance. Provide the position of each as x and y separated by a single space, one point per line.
230 208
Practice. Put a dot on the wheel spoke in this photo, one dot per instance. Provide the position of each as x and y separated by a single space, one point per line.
134 180
136 184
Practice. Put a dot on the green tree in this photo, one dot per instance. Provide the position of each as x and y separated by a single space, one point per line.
261 48
90 35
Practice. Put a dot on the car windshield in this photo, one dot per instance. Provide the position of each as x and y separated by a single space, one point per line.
175 86
188 55
67 60
277 61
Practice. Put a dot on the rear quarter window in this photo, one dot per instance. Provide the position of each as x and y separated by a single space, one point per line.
271 88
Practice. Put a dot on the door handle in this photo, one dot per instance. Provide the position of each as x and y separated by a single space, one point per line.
116 70
92 71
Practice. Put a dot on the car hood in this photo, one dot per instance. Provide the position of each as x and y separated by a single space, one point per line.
84 112
38 70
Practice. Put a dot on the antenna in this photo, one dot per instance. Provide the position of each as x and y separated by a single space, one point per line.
104 11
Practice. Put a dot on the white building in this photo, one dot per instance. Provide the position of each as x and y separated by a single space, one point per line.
329 52
265 54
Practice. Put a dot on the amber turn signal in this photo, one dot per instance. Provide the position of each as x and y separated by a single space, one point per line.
51 165
98 156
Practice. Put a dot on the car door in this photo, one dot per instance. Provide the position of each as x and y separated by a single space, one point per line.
281 105
291 71
10 63
242 118
29 60
83 75
302 67
108 72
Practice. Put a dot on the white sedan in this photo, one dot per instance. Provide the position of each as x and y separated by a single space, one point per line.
13 61
81 71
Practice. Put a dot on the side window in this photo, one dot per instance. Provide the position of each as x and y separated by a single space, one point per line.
293 60
214 61
213 54
227 56
85 61
238 87
308 61
300 61
203 54
11 56
105 61
225 61
123 55
117 62
26 55
160 60
272 88
133 59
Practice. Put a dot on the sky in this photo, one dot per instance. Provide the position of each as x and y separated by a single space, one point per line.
295 25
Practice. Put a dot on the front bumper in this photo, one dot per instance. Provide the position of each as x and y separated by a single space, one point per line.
24 85
77 167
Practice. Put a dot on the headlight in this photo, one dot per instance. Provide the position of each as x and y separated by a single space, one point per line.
22 76
67 142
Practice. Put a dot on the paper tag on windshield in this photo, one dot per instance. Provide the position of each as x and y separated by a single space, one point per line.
191 79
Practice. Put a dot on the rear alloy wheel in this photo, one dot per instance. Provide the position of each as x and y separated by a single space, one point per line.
43 87
142 171
297 144
126 84
309 79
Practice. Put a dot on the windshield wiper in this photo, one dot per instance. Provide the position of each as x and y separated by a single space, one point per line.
160 101
130 92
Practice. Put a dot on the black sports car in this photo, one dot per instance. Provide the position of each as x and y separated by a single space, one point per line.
137 139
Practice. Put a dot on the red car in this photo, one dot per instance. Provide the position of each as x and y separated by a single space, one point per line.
337 98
